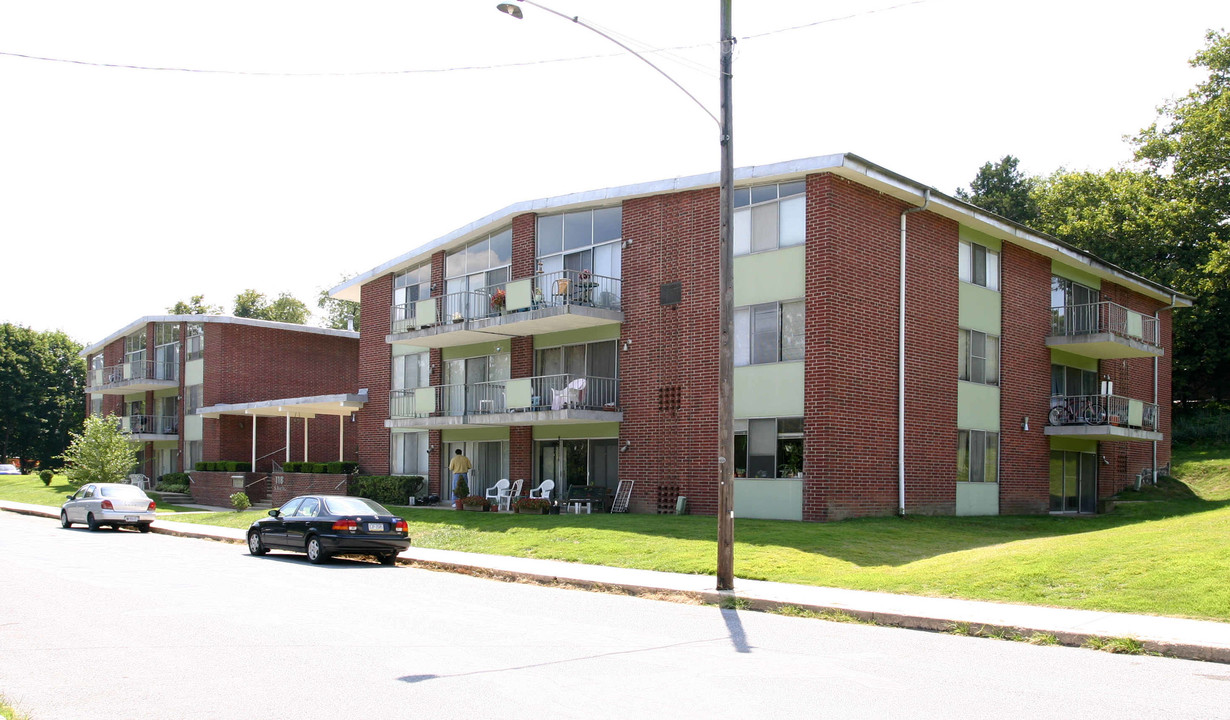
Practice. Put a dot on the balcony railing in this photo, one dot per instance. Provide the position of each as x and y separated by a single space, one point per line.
546 290
544 392
150 424
1103 410
1103 317
135 371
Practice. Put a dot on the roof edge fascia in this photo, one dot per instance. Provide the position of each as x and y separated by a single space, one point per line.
219 319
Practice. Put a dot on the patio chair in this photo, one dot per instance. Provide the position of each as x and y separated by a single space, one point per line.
513 494
498 491
561 290
139 480
544 490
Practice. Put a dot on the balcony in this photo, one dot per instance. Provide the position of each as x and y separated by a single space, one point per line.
548 302
1103 417
541 400
150 427
134 376
1104 330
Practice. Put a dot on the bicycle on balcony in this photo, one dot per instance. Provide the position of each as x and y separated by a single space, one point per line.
1079 411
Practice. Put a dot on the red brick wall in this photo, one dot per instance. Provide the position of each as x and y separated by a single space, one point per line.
1025 382
375 374
289 485
216 488
525 249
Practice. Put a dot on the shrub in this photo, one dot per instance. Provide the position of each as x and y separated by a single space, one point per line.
99 453
45 476
463 487
240 501
528 504
174 479
341 468
385 489
474 500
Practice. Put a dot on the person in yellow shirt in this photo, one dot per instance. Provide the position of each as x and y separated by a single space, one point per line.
459 466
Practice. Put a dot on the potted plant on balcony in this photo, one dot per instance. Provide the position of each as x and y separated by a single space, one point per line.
499 299
533 506
461 491
474 503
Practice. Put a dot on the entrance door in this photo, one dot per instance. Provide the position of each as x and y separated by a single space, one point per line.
490 461
1074 482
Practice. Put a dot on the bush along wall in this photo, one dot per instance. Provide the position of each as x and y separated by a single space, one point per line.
386 489
331 468
224 466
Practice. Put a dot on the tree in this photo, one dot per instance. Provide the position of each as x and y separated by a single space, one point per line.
1004 190
286 308
43 381
195 306
101 452
339 314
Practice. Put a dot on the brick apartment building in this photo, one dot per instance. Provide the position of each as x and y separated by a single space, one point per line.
157 372
575 338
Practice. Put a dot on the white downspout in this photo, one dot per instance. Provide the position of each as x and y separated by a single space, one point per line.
901 361
1158 323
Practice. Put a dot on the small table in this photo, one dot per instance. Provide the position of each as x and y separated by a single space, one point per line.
574 506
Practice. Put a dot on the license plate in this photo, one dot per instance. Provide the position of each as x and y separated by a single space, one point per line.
375 527
130 518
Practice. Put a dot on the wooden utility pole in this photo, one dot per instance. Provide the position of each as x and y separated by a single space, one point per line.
726 362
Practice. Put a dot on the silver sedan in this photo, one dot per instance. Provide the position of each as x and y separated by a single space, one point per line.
112 504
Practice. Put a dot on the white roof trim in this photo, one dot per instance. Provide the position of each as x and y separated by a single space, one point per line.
343 404
220 319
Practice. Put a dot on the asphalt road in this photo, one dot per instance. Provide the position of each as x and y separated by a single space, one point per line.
124 625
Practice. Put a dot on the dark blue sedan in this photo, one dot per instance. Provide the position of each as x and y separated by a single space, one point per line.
327 525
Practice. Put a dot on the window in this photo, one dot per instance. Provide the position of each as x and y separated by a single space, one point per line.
769 333
1074 308
409 454
474 272
978 357
96 404
768 217
193 398
196 341
166 351
1070 381
979 265
769 447
134 352
977 456
194 449
584 375
585 240
412 371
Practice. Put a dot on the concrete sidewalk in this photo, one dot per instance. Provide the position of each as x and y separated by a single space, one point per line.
1173 637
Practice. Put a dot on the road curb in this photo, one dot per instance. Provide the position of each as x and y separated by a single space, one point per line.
737 600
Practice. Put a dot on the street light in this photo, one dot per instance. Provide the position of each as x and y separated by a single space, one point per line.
726 435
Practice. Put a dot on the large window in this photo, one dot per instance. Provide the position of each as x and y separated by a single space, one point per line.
134 349
409 454
475 271
166 351
585 240
769 447
979 265
768 217
1074 307
769 333
194 451
193 398
412 371
476 384
1074 482
1072 381
410 286
978 357
593 461
196 341
977 456
581 375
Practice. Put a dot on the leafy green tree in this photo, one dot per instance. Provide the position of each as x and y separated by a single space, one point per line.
1004 190
195 306
101 452
42 399
286 308
339 314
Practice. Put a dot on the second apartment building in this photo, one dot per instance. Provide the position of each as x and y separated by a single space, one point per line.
576 339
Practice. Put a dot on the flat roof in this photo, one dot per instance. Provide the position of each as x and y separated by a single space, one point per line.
220 319
311 406
846 165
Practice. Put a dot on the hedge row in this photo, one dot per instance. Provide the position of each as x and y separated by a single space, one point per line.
332 468
224 466
385 489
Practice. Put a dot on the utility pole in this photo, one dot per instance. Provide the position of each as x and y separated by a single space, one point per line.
726 361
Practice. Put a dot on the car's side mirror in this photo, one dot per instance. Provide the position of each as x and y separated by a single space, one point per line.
274 513
70 495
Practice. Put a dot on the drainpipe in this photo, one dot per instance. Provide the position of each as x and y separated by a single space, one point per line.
901 361
1158 324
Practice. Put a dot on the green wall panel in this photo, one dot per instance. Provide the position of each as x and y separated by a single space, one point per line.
400 349
769 276
192 429
770 390
460 352
1083 277
1074 444
1063 357
975 236
977 407
977 498
473 433
769 499
576 337
194 372
576 431
980 309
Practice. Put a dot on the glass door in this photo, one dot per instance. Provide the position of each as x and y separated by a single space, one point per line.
1074 482
489 461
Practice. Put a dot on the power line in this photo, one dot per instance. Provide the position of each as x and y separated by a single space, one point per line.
667 51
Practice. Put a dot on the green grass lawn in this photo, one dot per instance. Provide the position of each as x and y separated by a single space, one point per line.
1163 554
29 489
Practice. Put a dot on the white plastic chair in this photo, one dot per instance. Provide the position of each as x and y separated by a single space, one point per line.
513 492
544 490
498 492
139 480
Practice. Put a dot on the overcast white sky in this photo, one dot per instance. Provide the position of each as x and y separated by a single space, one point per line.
124 190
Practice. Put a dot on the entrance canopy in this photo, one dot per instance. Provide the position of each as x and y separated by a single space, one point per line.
303 407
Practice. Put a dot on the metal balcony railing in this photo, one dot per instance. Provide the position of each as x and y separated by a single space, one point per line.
548 392
1103 410
547 290
135 371
150 424
581 392
1103 317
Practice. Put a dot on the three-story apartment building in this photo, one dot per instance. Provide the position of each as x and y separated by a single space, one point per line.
896 350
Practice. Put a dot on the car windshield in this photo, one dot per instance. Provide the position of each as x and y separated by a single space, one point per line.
354 506
121 491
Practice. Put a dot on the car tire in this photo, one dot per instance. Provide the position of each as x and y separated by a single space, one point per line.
91 523
64 523
316 554
255 546
387 558
143 527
